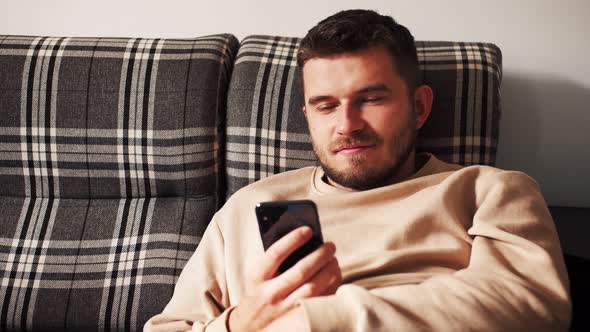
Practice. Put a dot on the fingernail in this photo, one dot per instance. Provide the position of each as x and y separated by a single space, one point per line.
306 230
332 247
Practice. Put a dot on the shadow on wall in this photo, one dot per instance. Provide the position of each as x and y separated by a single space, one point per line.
545 132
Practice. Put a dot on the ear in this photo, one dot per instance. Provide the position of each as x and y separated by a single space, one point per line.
304 110
422 104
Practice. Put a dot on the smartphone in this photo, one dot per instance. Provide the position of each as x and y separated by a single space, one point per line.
277 218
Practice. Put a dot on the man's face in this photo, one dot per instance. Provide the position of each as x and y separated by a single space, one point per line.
361 118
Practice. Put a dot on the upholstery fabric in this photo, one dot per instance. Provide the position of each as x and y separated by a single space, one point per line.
93 264
267 131
109 174
109 118
116 152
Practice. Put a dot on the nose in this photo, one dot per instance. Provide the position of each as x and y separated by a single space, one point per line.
349 120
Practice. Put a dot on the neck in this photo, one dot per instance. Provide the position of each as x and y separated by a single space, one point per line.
406 169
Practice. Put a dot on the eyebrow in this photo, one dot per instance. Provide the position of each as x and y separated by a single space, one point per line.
377 87
318 99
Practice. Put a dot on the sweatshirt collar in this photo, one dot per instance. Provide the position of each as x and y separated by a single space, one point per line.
322 187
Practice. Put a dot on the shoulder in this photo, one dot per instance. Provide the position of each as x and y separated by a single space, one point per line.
289 185
488 182
279 186
493 175
480 173
479 181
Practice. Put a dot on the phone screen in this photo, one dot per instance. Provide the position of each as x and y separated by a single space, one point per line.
276 219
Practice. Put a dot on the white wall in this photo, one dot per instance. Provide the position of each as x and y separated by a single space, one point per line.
545 126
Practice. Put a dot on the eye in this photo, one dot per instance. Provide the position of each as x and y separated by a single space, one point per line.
326 107
372 99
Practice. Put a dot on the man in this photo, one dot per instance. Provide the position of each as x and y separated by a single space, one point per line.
421 244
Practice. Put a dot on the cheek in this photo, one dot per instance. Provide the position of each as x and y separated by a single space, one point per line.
319 129
392 119
318 136
383 123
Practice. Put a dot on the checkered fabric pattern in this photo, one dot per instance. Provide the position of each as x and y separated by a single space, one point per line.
93 264
267 132
108 118
108 174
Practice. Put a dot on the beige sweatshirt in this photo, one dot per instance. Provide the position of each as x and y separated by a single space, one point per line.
450 249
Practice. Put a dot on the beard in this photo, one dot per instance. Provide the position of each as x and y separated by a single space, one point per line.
360 174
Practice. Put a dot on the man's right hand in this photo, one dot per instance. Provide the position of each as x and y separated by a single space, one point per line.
268 297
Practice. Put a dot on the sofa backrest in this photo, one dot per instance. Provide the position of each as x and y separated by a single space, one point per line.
267 132
114 153
111 117
109 174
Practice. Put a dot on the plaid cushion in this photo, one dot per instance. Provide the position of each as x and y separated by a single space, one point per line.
98 139
93 265
267 132
111 117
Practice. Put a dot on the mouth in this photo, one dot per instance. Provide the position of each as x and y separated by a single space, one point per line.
352 149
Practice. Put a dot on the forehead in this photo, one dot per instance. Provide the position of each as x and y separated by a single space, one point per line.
347 72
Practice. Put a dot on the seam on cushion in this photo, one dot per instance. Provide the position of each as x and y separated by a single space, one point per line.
196 197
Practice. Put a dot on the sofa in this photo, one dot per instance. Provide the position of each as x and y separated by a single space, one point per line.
116 152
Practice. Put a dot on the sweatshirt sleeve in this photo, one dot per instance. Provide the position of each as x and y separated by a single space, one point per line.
515 280
200 295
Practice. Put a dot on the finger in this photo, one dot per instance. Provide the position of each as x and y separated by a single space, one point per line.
172 326
325 282
304 270
329 279
280 250
166 318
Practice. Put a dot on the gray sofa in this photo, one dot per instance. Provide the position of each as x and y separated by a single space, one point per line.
115 153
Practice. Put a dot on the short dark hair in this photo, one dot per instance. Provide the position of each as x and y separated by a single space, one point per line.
356 30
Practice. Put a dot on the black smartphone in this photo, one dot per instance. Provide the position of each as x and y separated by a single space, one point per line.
277 218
